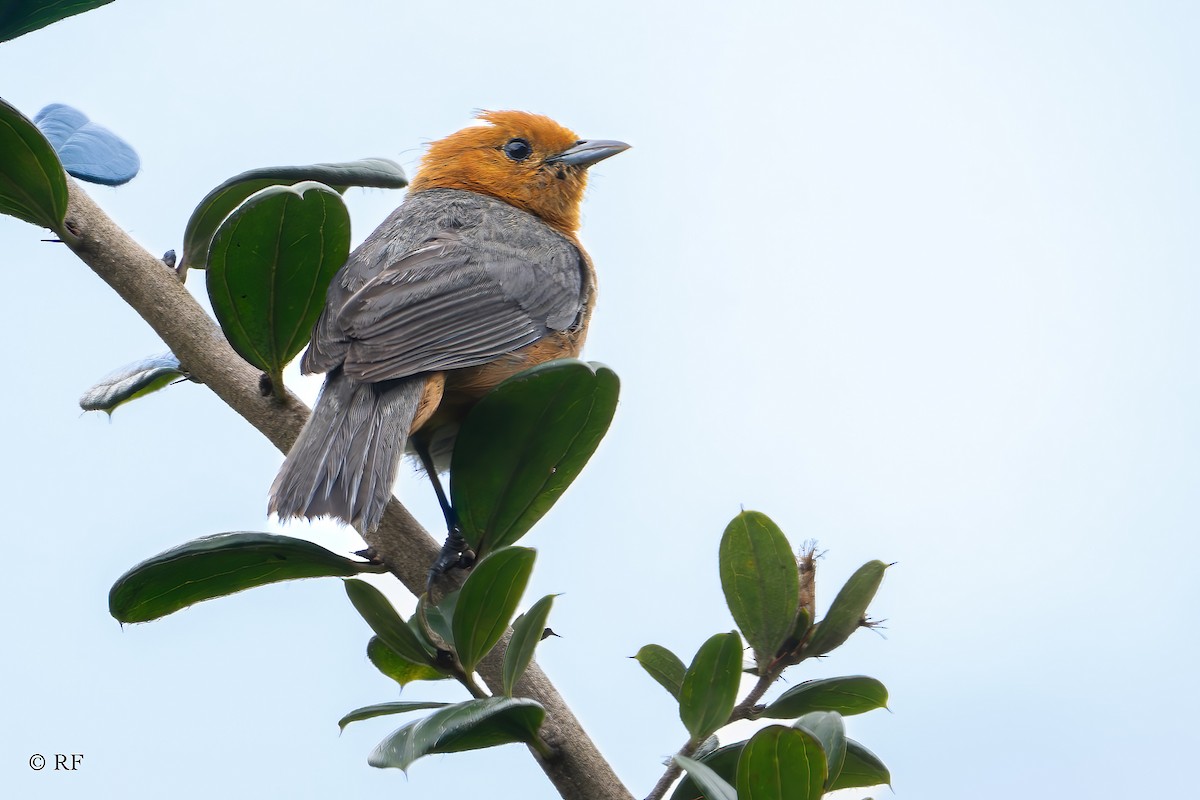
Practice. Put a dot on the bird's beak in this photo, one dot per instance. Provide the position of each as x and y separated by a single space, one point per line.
586 153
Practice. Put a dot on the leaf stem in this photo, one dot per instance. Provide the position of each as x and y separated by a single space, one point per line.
469 681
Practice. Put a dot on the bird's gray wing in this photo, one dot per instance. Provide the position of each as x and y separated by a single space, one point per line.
458 301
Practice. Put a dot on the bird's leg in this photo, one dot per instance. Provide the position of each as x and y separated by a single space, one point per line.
455 552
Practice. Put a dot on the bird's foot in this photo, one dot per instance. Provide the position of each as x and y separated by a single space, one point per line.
454 555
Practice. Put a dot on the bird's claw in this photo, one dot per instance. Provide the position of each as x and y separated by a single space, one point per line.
454 555
466 559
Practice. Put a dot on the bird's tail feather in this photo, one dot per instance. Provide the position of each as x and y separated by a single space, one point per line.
344 463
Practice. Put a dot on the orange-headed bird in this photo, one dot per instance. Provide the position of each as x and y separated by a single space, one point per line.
475 277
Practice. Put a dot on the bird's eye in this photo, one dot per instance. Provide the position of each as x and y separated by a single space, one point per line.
517 149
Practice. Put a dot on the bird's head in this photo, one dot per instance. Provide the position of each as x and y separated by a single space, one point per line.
526 160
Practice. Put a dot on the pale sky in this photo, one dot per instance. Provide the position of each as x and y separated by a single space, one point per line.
916 279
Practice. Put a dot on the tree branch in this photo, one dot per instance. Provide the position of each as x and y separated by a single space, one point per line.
577 769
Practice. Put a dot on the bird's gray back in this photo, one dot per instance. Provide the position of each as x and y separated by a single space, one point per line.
532 265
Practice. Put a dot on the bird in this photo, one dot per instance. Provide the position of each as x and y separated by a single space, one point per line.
476 276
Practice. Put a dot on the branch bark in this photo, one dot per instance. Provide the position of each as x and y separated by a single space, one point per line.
578 770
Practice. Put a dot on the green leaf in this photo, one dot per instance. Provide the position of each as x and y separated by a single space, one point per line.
524 443
828 728
853 694
214 566
664 666
487 601
22 16
465 726
710 783
383 709
803 623
707 747
271 261
387 624
723 761
218 204
761 582
861 768
709 689
33 186
399 668
781 764
527 634
131 382
848 609
438 618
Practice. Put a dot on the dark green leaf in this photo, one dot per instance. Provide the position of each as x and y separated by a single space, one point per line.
710 685
487 601
848 609
438 618
131 382
781 764
379 173
861 768
827 728
214 566
383 709
524 443
803 623
464 726
711 784
387 624
270 264
19 17
86 150
853 694
723 761
399 668
33 186
664 666
761 582
527 634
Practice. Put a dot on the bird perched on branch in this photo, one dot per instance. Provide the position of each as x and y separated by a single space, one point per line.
475 277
